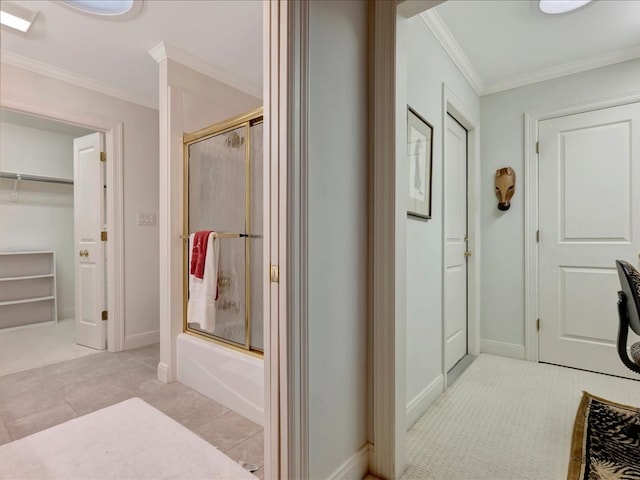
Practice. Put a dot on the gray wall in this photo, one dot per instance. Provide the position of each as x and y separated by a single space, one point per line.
337 234
502 144
428 66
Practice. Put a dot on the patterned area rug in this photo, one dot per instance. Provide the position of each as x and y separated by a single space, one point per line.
606 441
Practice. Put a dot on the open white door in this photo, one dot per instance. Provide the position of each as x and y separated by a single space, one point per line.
455 238
89 219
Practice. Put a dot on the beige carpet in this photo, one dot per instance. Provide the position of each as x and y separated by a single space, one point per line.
506 419
129 440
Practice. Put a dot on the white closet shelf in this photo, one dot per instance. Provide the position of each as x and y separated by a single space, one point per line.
25 277
27 288
27 300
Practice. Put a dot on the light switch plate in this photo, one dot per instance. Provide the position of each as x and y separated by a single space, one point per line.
147 219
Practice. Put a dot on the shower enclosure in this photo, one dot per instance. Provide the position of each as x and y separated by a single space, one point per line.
223 194
222 356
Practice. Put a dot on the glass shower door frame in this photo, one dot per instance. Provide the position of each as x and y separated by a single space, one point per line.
246 120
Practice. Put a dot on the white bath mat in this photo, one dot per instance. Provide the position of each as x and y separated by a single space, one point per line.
129 440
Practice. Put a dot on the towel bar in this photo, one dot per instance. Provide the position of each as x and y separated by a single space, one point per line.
221 235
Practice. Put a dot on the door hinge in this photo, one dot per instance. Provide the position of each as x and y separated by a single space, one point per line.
103 156
537 236
275 273
538 325
537 147
103 236
105 315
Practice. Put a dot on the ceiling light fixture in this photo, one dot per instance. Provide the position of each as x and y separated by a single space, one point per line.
554 7
16 16
106 8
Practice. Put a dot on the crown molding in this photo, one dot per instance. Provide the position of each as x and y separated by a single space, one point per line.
435 23
164 51
66 76
569 68
159 52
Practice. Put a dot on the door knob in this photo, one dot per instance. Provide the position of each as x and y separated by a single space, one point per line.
84 253
467 253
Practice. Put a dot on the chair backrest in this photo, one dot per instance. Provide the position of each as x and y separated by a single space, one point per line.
630 283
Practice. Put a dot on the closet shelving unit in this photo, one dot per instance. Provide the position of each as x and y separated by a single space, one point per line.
28 278
27 288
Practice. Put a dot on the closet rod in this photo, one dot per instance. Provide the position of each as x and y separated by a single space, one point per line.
35 178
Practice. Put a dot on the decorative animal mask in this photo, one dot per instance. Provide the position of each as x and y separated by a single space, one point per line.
505 187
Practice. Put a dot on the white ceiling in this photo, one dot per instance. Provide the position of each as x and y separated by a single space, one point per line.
226 35
497 44
511 43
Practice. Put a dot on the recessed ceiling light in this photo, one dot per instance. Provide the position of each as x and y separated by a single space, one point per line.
106 8
554 7
16 16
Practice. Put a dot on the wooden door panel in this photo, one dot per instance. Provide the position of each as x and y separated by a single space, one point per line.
584 313
88 222
455 234
595 169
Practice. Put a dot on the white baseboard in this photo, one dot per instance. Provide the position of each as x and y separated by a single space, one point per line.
163 373
426 398
141 339
355 467
502 349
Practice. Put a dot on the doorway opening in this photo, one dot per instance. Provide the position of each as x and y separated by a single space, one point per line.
456 240
572 238
461 239
37 207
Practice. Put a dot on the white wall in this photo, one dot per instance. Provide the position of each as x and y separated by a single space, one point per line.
502 120
141 303
428 66
337 234
41 216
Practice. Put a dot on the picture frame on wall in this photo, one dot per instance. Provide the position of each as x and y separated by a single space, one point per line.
419 156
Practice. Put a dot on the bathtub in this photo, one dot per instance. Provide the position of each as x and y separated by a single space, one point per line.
232 378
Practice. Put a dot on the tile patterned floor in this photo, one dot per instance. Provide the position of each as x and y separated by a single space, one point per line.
33 400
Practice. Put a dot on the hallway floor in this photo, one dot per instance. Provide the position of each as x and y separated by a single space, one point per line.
36 399
34 346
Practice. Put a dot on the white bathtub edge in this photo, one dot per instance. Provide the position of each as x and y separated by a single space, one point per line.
229 377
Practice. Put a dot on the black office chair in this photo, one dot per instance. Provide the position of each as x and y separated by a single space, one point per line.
629 313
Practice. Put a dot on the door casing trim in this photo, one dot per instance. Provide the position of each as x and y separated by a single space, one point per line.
451 104
113 131
531 196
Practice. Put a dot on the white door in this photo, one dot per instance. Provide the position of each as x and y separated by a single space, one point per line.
89 217
455 236
589 203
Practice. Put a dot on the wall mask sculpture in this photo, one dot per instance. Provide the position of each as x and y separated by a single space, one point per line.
505 187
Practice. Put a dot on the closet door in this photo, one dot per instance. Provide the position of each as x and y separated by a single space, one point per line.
89 219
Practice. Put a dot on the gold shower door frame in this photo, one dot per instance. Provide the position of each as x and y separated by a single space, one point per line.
248 119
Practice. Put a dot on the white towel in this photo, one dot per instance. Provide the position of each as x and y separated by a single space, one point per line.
201 308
